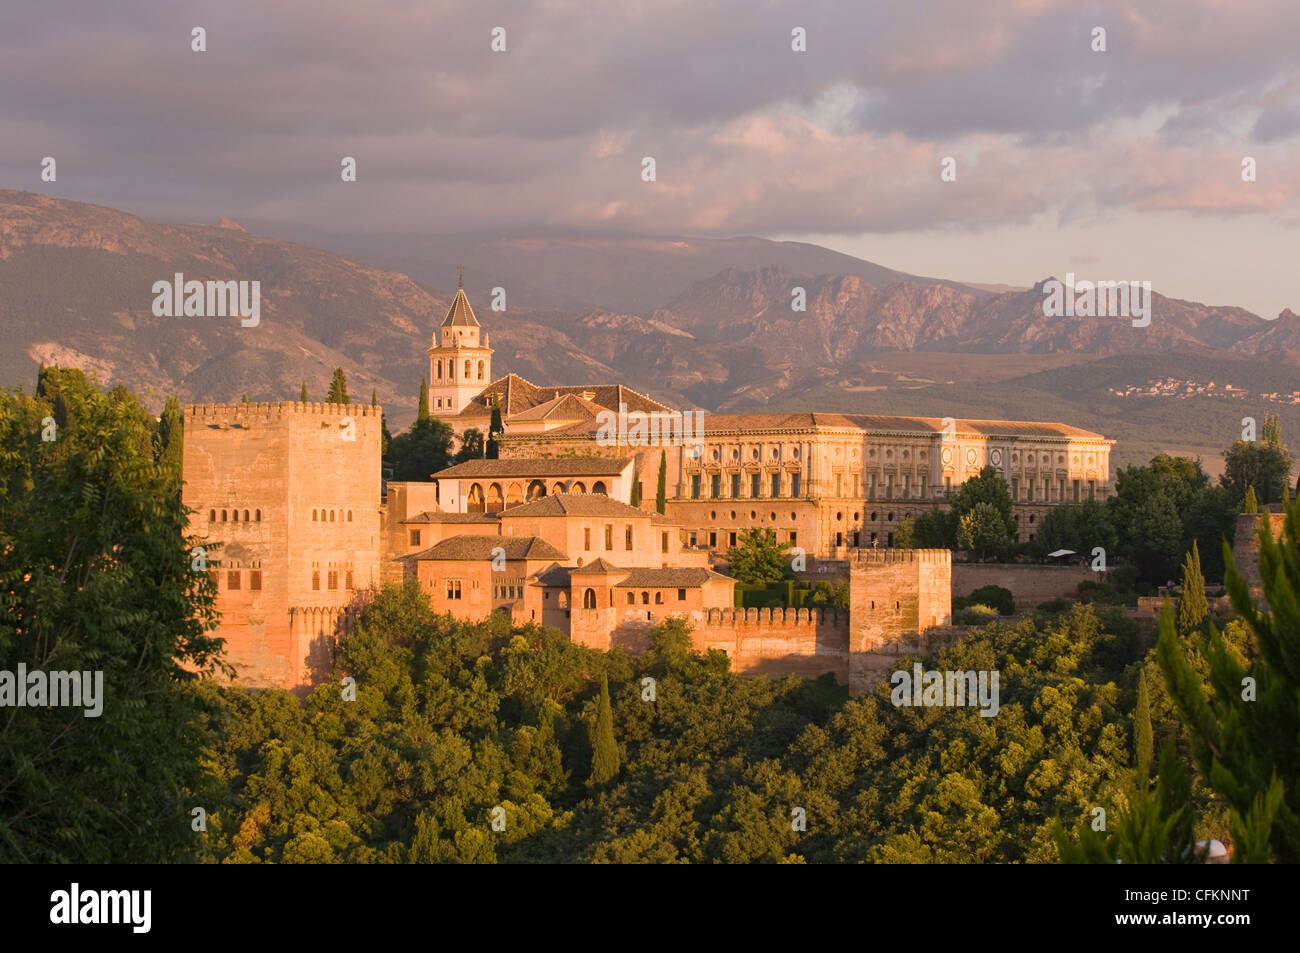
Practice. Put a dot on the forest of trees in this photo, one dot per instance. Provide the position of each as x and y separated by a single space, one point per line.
436 740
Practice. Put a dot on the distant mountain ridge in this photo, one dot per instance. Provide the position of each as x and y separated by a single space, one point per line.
700 323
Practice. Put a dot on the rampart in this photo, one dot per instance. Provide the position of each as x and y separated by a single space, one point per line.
1029 585
804 642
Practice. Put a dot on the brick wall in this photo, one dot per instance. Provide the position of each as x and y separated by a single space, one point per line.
1030 585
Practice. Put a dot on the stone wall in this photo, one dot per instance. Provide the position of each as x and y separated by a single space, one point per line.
804 642
1245 545
896 597
1030 585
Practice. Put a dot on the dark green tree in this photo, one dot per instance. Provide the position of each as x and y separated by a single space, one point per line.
635 496
471 446
1251 503
374 397
1238 711
495 429
1192 606
1264 463
421 451
983 531
604 747
303 396
661 491
98 577
422 412
338 388
905 534
758 559
170 438
1143 738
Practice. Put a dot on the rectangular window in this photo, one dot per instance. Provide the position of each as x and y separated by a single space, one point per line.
1092 489
735 486
347 580
857 484
333 579
255 580
232 579
1015 488
609 537
907 485
695 487
839 484
839 539
731 538
755 485
586 537
693 537
794 483
681 595
713 540
315 581
1076 491
871 487
663 542
627 539
889 486
947 484
776 485
715 487
922 486
453 588
794 537
415 537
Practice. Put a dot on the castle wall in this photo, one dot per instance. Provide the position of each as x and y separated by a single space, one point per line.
1030 585
895 597
1245 546
311 472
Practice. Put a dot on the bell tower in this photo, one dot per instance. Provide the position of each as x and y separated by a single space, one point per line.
460 364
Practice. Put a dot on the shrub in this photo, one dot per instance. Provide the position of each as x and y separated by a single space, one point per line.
995 596
975 615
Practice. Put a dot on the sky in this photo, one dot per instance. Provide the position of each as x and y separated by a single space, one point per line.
1117 164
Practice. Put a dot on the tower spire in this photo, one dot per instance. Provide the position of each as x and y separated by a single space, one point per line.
460 276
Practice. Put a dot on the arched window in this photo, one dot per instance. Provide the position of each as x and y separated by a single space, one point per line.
631 598
331 516
349 516
514 494
223 516
558 488
475 503
234 516
245 516
536 490
659 598
313 516
468 374
257 516
212 516
599 487
495 501
645 598
589 599
480 370
578 487
440 370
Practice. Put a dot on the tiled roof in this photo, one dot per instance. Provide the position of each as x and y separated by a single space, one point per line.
517 396
596 567
460 313
576 504
552 575
728 423
564 407
669 578
481 547
429 517
536 466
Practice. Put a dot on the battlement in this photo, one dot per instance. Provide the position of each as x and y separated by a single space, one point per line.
215 413
881 557
773 617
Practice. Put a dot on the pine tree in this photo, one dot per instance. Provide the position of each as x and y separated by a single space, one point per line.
604 749
338 388
1244 721
1143 742
422 412
1252 504
661 493
244 399
303 398
1193 606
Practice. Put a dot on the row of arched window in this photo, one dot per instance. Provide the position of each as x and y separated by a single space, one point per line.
327 516
451 370
234 516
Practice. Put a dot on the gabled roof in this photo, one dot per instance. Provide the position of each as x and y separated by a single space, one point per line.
483 547
552 575
536 466
431 517
577 504
563 407
597 566
517 395
460 313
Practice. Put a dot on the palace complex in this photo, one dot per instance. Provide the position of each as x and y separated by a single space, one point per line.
563 530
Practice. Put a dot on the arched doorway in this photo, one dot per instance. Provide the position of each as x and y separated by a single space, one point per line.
536 490
474 502
495 501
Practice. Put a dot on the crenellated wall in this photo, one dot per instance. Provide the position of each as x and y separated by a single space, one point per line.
896 597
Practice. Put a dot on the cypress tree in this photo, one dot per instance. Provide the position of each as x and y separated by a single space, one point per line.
338 387
422 412
604 749
1193 606
636 491
374 398
171 437
1143 741
661 493
1238 714
495 429
303 398
1252 502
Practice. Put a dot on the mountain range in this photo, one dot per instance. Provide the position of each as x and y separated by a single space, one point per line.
705 323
